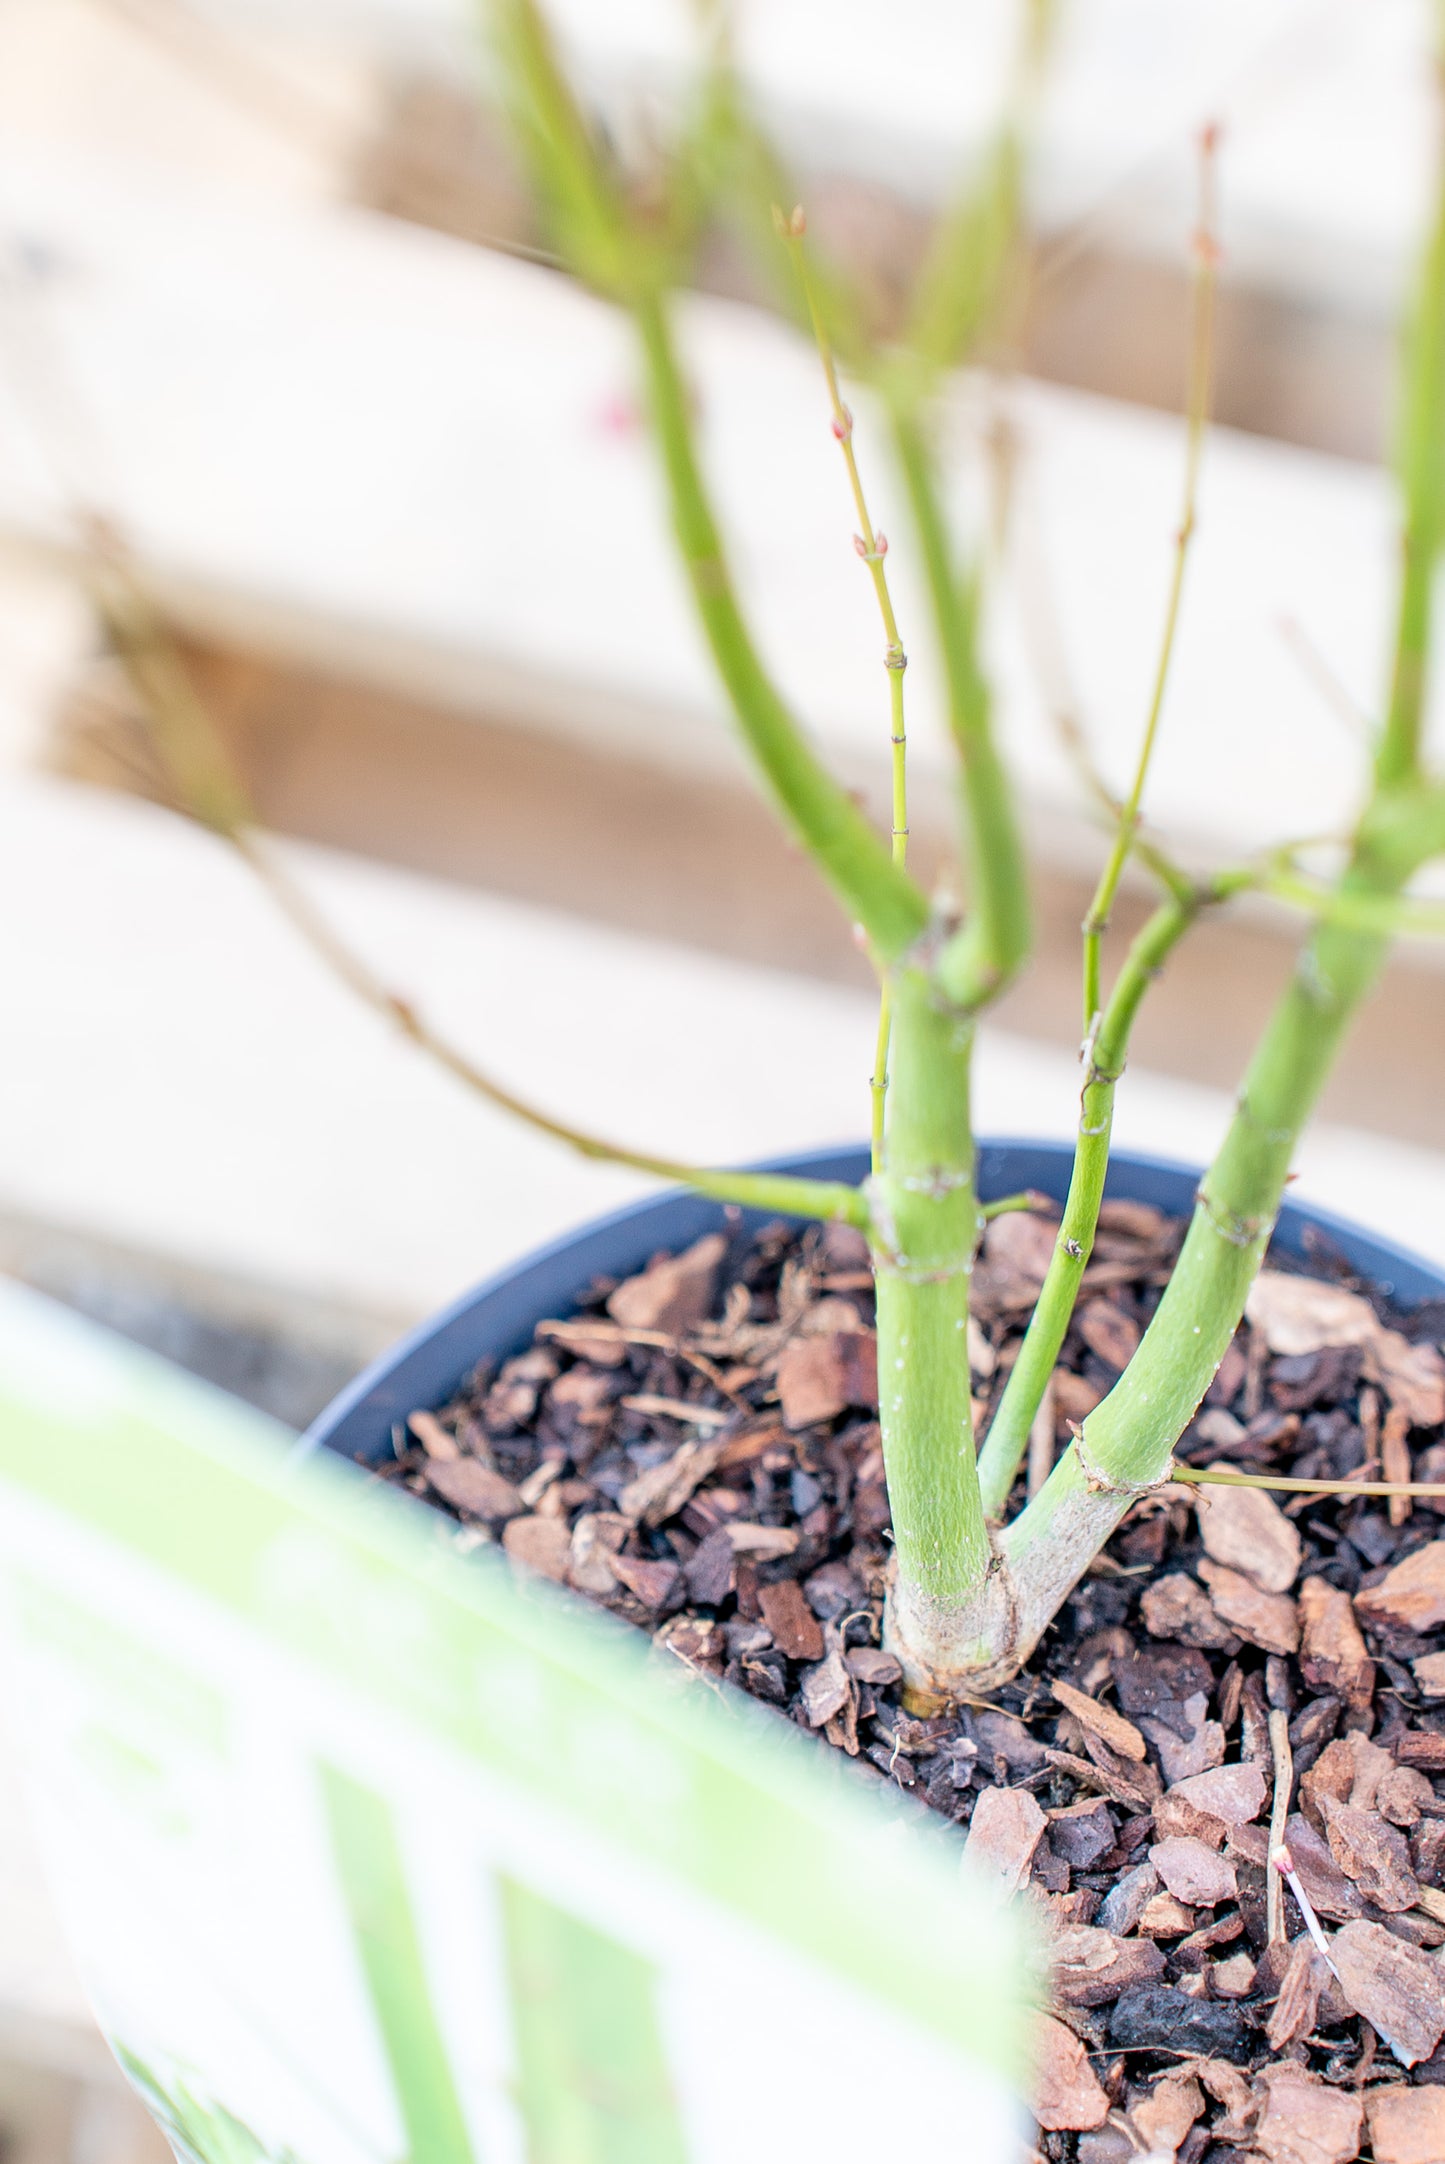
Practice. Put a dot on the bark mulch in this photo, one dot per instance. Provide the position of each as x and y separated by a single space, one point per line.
697 1450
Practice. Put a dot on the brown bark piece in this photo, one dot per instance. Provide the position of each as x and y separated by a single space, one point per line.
1303 1315
1174 1607
1234 1794
1325 1884
1399 1989
1297 2007
1163 2117
820 1377
474 1489
1245 1529
656 1582
1374 1855
796 1630
1111 1727
1166 1917
1412 1377
435 1440
1404 1795
1068 2097
1234 1978
764 1543
543 1544
1268 1620
1108 1333
1091 1966
596 1538
1407 2126
1304 2121
1411 1597
1429 1673
674 1293
1006 1827
1333 1655
660 1493
827 1688
1193 1872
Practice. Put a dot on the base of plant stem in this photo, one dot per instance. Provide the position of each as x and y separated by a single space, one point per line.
954 1652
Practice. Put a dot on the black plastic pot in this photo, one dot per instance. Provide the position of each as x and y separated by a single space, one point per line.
498 1318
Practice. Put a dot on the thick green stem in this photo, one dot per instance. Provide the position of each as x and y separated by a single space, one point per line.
925 1233
1008 1434
1125 1446
982 958
853 857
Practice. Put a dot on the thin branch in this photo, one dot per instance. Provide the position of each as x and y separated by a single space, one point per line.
872 546
201 773
1213 1476
1206 261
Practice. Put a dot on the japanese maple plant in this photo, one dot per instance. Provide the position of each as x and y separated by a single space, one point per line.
973 1587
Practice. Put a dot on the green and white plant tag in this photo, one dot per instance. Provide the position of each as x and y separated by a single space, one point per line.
370 1852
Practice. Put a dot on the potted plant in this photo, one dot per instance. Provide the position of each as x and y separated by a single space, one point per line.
1231 1725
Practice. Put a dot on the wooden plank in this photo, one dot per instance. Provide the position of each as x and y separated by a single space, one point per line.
403 460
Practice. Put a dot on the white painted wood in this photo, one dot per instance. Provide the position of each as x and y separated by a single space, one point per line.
1325 102
395 456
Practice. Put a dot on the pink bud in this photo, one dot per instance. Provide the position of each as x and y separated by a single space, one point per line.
880 544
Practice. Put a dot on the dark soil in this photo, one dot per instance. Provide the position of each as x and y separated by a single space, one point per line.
697 1450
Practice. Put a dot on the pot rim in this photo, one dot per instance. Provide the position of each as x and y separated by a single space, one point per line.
429 1361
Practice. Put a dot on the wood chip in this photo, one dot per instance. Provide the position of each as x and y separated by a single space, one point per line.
870 1664
1006 1827
1193 1872
1299 1315
1174 1607
697 1416
1234 1978
474 1489
1245 1529
1297 2008
656 1582
1068 2096
826 1688
674 1293
1407 2126
1164 2116
762 1543
1303 2120
1108 1333
1411 1376
796 1630
1268 1620
1411 1597
542 1544
1166 1917
660 1493
1120 1735
1235 1794
596 1538
821 1377
1091 1966
1128 1898
435 1440
1429 1673
1333 1655
1399 1989
1374 1855
1108 1781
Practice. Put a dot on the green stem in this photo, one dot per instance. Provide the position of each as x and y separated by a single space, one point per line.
926 1226
852 856
1421 466
979 961
1008 1434
1125 1445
